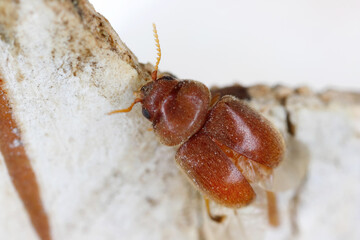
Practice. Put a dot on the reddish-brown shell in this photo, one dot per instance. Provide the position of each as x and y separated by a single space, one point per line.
234 139
213 173
233 123
178 109
225 147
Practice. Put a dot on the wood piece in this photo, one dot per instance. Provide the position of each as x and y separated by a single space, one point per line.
106 177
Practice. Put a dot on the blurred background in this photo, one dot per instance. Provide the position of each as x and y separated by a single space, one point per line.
309 42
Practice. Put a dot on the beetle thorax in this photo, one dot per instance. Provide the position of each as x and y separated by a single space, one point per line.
177 108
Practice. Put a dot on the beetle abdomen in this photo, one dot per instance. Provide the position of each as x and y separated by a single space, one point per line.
233 123
213 173
237 146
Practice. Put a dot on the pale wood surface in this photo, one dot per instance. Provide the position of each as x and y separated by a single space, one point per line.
107 177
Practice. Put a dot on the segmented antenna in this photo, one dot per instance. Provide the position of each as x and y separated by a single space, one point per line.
157 43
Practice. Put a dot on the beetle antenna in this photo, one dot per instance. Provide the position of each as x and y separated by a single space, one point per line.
157 43
137 100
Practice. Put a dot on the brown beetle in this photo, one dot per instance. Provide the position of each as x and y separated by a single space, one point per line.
225 145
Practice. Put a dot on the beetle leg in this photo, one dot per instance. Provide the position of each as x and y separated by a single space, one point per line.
216 218
272 209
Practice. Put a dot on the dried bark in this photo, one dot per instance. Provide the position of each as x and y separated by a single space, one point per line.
63 68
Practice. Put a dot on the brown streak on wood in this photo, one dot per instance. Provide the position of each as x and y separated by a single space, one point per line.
20 169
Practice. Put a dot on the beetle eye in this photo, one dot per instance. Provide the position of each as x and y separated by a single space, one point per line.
144 88
146 113
167 77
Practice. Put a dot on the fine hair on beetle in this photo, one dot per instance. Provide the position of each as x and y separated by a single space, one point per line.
224 144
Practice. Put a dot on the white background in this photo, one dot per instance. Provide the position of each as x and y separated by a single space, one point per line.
308 42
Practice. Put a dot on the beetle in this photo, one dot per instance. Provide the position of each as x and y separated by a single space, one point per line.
224 144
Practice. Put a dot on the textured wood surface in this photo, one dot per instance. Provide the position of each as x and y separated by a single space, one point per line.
106 177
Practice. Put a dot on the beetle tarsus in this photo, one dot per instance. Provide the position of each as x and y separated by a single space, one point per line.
272 209
215 218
